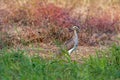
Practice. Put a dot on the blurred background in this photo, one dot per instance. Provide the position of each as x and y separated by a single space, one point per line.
44 21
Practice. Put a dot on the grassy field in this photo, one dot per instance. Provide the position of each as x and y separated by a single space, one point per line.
17 65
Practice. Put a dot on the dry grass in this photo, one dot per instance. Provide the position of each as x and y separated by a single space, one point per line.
46 21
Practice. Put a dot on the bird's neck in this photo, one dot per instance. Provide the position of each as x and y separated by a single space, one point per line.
75 38
75 33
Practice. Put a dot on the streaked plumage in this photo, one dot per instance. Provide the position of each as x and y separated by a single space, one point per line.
72 44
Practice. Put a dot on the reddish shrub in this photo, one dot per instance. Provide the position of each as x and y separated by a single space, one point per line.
52 20
104 23
51 14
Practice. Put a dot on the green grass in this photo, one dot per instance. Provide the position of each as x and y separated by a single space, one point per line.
16 65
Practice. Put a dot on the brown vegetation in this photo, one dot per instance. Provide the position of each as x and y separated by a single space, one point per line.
46 21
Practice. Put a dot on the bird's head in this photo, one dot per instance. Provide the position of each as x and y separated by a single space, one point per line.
75 28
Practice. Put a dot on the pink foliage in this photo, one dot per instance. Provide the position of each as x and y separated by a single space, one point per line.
54 15
102 22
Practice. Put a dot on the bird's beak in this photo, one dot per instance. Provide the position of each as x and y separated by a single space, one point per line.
78 29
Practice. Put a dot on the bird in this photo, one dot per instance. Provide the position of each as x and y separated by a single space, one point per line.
72 44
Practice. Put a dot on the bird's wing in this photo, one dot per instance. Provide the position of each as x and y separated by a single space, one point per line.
69 44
